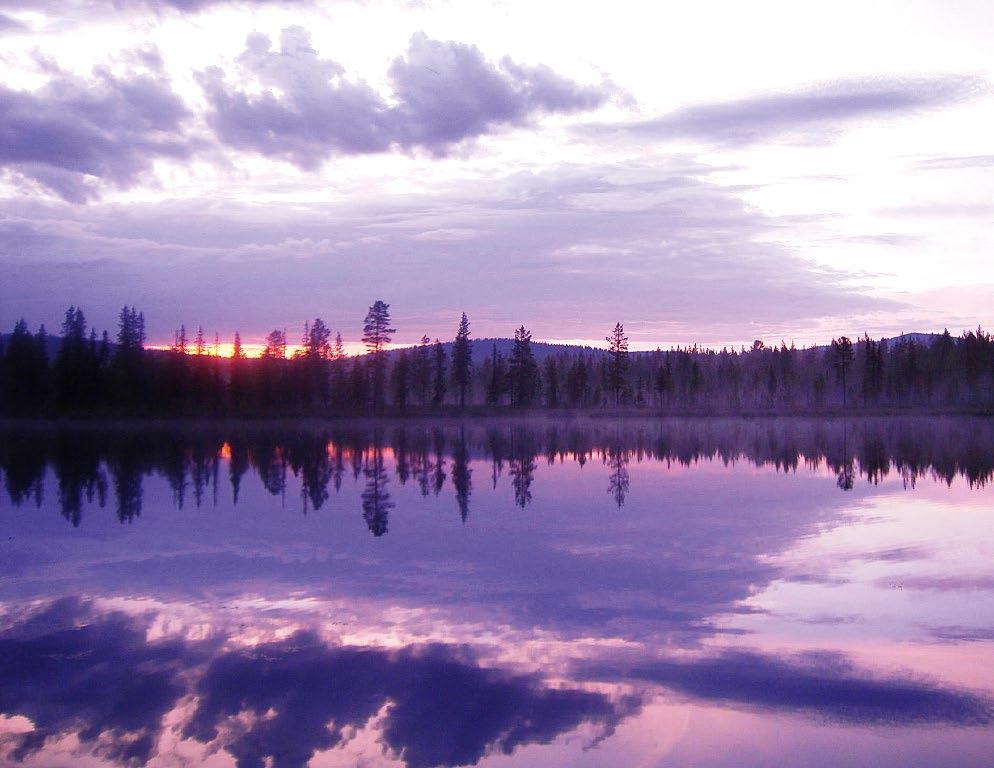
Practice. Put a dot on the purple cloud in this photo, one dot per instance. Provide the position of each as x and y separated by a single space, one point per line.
568 252
807 112
10 24
71 132
444 93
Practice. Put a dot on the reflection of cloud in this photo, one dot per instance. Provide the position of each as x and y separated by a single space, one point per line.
444 710
939 582
71 669
822 684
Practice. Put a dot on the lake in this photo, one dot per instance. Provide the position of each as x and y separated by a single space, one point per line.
505 592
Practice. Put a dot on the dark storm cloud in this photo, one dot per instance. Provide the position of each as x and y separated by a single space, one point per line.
812 113
70 132
444 93
825 685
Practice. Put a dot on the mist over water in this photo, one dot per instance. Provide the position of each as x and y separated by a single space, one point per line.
500 591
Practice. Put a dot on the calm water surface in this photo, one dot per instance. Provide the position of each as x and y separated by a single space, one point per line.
526 593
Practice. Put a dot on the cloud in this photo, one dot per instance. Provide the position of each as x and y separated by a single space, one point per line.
822 684
73 7
567 251
9 24
956 162
70 133
809 113
443 93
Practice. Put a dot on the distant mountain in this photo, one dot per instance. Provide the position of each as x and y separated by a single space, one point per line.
924 339
483 348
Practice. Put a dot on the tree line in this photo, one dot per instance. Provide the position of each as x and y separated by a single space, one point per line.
89 373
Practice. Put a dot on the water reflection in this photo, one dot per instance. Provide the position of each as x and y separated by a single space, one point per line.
71 668
536 592
191 458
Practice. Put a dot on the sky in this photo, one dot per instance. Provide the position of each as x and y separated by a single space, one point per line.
707 172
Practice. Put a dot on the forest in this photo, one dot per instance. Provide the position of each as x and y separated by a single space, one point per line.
82 373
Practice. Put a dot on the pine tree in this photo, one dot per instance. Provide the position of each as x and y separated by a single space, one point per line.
376 335
523 370
401 380
842 358
498 377
618 368
422 370
462 360
438 375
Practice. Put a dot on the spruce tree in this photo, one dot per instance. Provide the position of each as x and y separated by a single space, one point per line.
462 360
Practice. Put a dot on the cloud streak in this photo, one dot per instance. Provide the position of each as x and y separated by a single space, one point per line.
809 113
820 684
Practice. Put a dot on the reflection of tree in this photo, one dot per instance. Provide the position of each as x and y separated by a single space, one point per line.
311 460
127 474
238 465
438 476
617 461
846 473
462 475
376 504
522 472
268 456
89 462
77 468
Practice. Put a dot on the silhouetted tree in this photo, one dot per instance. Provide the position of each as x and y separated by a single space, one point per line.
421 371
523 370
578 382
618 367
24 373
238 383
462 360
438 375
376 335
498 378
842 358
551 382
401 380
